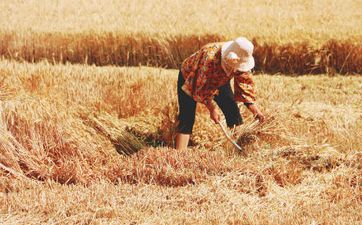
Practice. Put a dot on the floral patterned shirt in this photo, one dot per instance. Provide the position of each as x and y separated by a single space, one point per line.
204 74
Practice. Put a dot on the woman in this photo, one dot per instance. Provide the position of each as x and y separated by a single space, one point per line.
205 76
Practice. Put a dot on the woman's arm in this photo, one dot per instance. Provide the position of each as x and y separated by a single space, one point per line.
256 112
245 92
244 87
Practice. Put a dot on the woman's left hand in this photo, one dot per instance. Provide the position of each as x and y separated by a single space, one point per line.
257 113
260 116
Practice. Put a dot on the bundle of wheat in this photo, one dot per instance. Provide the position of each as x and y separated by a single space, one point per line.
252 131
124 141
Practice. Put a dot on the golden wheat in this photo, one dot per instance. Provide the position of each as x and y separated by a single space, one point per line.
61 124
293 20
292 37
81 144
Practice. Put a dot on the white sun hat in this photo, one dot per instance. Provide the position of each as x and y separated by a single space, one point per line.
238 54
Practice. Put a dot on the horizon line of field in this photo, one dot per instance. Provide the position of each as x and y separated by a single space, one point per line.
334 56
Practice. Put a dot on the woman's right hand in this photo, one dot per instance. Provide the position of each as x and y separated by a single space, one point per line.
215 116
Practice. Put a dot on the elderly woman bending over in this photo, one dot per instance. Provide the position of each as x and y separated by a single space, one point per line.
205 77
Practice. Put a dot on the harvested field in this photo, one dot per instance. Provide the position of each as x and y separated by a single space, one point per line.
61 126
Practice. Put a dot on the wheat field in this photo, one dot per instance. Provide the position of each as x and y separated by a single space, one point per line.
290 37
88 109
62 125
279 21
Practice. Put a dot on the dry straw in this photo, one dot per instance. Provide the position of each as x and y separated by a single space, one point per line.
124 141
61 125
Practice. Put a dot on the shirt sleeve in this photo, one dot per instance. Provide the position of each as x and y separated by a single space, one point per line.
244 88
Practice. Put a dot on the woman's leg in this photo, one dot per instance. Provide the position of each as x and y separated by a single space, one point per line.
186 117
225 100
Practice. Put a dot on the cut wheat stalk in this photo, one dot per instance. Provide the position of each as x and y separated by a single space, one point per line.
124 141
18 175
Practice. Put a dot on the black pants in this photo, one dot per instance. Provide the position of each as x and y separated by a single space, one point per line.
187 107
